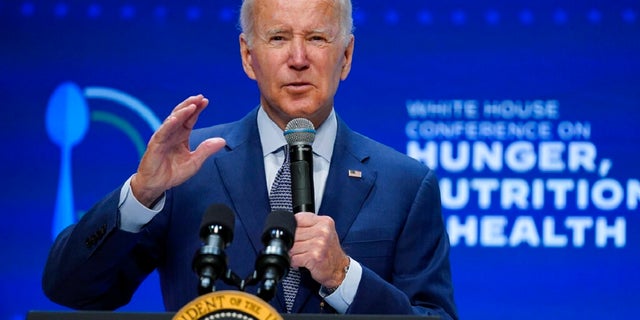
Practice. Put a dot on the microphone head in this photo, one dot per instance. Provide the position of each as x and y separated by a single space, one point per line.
299 131
280 220
218 219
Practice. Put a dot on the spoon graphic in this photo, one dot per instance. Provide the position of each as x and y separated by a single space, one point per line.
67 121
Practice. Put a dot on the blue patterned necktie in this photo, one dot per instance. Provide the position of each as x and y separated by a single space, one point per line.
280 199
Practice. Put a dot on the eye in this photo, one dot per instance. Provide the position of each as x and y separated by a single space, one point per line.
277 39
318 38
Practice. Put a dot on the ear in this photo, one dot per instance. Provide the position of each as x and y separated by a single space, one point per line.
245 54
348 57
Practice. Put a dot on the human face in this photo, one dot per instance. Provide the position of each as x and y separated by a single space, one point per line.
298 55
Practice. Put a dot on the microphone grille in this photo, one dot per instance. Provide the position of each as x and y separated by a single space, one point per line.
283 220
299 131
221 215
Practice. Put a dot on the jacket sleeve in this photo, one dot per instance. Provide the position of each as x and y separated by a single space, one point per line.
420 280
95 265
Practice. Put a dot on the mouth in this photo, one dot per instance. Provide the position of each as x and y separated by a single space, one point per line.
298 86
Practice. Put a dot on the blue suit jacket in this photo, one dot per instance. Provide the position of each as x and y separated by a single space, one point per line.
389 220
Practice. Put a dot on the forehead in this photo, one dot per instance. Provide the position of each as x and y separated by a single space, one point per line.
298 15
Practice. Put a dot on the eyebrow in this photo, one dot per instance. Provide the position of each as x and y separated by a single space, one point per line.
325 31
278 30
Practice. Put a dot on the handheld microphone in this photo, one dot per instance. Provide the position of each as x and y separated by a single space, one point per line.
273 263
300 134
216 231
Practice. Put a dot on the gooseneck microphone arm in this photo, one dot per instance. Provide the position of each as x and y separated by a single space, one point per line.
210 264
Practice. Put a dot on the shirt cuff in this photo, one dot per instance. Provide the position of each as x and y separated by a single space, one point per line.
133 214
342 298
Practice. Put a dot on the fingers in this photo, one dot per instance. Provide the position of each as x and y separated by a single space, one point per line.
318 249
315 239
190 122
197 100
178 125
193 103
174 123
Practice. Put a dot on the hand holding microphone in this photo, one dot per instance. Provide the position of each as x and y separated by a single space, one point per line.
317 247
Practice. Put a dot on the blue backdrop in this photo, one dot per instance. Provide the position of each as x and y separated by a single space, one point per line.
526 109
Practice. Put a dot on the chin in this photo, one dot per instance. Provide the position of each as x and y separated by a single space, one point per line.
298 110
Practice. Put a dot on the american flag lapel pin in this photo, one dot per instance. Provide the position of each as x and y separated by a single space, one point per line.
355 173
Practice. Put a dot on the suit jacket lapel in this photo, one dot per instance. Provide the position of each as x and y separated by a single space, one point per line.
242 172
345 192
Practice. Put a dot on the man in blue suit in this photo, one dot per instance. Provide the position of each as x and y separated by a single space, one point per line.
377 245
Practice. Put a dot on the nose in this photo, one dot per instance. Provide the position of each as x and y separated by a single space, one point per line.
298 58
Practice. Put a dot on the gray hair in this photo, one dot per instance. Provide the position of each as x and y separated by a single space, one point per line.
247 19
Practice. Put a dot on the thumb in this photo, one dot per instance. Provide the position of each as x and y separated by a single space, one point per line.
207 148
305 219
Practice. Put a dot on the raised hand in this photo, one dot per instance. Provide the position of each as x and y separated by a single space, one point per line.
168 160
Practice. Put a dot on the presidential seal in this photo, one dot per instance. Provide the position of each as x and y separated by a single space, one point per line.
227 305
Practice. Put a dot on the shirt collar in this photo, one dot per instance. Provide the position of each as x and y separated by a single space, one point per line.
272 139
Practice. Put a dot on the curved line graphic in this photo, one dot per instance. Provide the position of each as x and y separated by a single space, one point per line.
124 126
127 100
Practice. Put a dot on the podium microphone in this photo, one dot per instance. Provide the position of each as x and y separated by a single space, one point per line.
216 231
300 134
273 263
